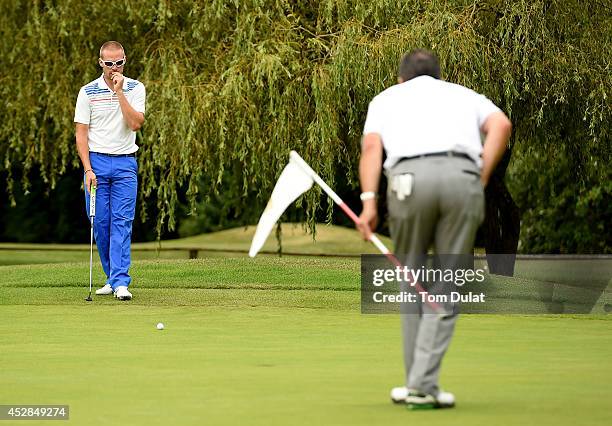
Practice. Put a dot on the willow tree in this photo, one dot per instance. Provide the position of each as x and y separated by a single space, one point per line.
234 85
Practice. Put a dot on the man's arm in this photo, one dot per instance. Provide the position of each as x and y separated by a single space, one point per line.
497 129
370 166
134 119
82 136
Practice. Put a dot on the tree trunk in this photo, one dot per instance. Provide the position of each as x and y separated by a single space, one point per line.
502 223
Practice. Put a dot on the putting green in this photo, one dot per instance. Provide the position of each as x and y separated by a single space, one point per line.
282 349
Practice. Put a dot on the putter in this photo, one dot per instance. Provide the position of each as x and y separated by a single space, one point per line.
92 215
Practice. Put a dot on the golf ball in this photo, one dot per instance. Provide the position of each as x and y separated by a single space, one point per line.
160 326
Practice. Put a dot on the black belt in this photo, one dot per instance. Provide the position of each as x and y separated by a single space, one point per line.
133 154
438 154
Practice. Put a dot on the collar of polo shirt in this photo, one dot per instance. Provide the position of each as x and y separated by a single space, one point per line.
103 85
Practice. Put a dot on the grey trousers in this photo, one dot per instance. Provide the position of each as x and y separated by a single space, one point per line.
441 205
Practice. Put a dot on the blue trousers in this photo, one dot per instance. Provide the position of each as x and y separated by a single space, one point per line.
115 209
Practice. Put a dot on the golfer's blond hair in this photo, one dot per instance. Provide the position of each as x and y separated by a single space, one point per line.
115 45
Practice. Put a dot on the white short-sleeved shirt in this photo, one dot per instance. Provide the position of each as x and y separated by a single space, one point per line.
425 115
98 106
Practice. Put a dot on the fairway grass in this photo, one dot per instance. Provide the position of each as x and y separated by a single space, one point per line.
330 239
276 342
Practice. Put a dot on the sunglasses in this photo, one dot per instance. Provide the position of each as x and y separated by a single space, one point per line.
119 63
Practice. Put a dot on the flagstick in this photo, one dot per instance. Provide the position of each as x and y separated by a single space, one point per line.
373 237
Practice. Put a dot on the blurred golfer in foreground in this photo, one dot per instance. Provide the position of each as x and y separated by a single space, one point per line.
109 111
437 167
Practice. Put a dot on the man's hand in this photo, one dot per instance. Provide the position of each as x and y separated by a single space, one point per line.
117 78
497 129
370 166
368 220
90 179
133 118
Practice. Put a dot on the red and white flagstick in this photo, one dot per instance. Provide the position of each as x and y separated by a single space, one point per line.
373 237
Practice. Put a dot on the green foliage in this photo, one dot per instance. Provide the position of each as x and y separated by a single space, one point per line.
567 214
234 85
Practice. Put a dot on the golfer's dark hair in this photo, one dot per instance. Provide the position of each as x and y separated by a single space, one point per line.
111 45
419 62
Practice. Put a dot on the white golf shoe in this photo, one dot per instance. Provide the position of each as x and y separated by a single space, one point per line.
445 399
122 293
417 400
103 291
399 394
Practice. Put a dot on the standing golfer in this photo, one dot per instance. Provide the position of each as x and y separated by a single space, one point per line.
437 168
109 111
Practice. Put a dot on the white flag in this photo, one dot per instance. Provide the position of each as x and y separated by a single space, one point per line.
292 183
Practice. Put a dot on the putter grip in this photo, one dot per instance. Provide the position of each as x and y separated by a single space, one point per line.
92 202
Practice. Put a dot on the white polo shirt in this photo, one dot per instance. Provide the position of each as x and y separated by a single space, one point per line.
98 106
425 115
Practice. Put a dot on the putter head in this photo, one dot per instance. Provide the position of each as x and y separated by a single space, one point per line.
89 299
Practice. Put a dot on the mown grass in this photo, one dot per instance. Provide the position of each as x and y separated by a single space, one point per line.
329 239
276 341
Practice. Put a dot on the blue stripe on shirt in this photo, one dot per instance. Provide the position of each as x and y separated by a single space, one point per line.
95 89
